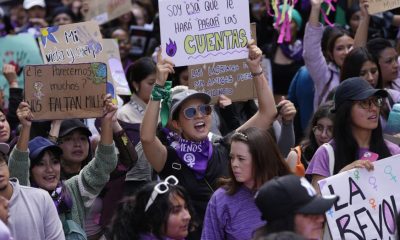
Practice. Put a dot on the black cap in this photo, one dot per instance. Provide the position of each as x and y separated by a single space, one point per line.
355 89
69 125
288 195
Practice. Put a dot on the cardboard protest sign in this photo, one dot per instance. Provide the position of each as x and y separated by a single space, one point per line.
377 6
103 11
204 31
369 201
72 43
231 78
111 49
75 43
18 50
62 91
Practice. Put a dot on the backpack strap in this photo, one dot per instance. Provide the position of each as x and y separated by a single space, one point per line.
331 157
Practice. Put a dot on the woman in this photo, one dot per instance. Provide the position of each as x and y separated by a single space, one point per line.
193 159
231 212
124 45
319 132
158 211
357 131
381 49
324 72
287 57
62 16
290 203
141 76
75 196
360 63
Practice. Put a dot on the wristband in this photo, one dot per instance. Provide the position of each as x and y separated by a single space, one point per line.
258 73
158 93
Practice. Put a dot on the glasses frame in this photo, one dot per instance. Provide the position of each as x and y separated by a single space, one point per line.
158 190
325 129
377 101
204 109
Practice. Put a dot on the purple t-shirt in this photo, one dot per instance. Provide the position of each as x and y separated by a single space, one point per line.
231 217
320 162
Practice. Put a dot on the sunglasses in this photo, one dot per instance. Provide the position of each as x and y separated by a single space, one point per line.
367 103
161 188
204 110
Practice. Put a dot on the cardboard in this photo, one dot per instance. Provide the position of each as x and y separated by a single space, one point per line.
198 32
18 50
231 78
62 91
75 43
368 201
103 11
114 64
377 6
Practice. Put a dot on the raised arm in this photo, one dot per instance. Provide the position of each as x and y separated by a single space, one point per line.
19 157
361 37
154 150
266 104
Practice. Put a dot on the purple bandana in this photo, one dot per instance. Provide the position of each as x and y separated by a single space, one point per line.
293 51
195 155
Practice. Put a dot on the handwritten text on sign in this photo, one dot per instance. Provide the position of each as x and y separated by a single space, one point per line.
368 202
230 78
63 91
377 6
72 43
204 31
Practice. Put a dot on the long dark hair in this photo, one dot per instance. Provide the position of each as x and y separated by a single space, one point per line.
353 63
309 145
139 70
267 161
329 37
346 150
130 219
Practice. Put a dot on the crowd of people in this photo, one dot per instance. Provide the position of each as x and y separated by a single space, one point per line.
164 163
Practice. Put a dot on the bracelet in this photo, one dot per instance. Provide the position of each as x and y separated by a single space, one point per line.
257 74
53 138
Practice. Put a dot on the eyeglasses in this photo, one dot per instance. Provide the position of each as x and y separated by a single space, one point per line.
161 188
319 129
367 103
190 112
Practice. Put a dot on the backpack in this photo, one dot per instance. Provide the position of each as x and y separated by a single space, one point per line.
72 230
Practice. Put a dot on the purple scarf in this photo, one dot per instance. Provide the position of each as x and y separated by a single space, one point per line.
195 155
293 51
61 197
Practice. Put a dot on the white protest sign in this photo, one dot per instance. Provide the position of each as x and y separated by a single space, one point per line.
204 31
368 203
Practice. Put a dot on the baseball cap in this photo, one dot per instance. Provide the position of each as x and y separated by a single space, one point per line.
40 144
290 194
31 3
69 125
354 89
4 148
179 98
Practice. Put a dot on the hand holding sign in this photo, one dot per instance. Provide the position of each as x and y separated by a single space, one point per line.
109 109
359 164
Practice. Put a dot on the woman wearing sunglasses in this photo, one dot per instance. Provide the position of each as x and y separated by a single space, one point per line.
231 212
357 131
192 158
158 211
